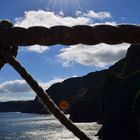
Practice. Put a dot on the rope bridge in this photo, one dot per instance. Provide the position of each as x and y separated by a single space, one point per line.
11 37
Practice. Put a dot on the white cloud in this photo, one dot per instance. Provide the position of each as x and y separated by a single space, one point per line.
49 83
19 89
95 15
15 86
20 86
97 55
38 48
48 19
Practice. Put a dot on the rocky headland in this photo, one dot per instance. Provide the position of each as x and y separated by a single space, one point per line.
14 106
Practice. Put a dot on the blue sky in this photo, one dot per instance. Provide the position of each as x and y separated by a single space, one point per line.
56 63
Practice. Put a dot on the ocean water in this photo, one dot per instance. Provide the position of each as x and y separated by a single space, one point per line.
22 126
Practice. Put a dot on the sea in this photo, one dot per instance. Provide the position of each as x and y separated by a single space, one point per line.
27 126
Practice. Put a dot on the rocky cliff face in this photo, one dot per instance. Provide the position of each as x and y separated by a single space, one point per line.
88 107
121 98
87 89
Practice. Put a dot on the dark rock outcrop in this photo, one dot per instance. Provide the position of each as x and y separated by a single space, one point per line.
77 91
137 112
87 111
120 109
88 107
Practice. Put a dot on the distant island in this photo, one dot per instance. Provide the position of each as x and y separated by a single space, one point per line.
14 106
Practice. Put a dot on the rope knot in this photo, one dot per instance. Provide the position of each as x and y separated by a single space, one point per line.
5 24
7 49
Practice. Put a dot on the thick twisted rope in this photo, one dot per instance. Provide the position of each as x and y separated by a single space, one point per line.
83 34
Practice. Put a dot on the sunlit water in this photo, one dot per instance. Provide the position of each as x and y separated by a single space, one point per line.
20 126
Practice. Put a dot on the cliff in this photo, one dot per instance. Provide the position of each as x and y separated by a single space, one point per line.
121 99
87 89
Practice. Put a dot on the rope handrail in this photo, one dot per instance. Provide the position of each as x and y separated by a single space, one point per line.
84 34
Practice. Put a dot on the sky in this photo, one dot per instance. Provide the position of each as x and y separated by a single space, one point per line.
51 64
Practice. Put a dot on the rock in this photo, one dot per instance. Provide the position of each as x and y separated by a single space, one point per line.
121 87
73 89
88 107
86 111
137 112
